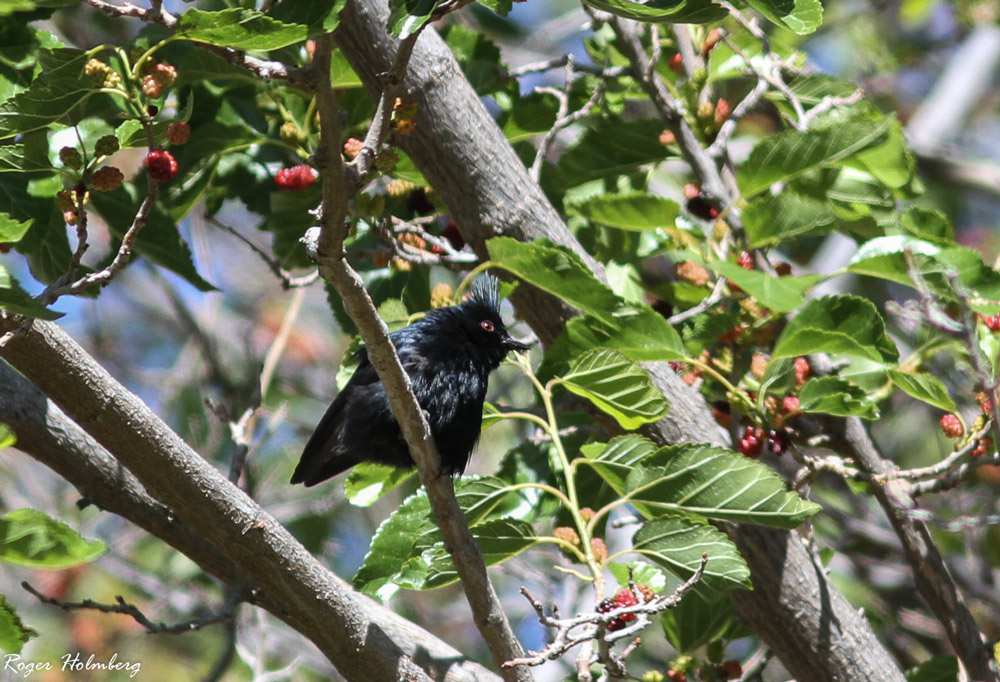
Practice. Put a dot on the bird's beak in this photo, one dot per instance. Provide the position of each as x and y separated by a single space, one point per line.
510 343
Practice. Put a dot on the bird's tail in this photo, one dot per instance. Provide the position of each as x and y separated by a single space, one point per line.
316 469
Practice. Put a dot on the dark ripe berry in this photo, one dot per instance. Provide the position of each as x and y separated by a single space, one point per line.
676 675
5 247
178 132
752 441
296 178
777 441
677 63
783 269
731 670
745 260
621 599
106 146
790 404
454 235
992 322
152 110
722 412
803 370
161 164
107 179
70 157
700 207
951 426
984 446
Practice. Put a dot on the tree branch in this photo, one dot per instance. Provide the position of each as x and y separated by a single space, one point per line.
337 190
197 510
809 625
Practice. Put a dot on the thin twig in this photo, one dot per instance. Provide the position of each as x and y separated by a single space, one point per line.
124 607
288 280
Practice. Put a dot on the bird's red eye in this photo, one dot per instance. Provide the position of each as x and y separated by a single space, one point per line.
486 326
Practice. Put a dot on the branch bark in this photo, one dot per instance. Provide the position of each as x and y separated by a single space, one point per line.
486 608
124 459
459 149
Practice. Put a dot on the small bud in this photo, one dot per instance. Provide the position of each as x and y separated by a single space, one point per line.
151 87
106 146
677 63
802 370
70 157
723 110
401 265
667 137
599 550
178 132
758 365
112 81
586 514
353 147
165 74
291 133
752 441
692 272
705 110
711 40
107 179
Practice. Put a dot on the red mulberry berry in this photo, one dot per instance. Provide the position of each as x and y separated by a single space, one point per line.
161 164
951 426
790 404
107 179
752 441
745 260
803 370
178 132
296 178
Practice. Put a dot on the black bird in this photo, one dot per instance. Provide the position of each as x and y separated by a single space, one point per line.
448 355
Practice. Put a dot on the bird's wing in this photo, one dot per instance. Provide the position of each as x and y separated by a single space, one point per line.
328 451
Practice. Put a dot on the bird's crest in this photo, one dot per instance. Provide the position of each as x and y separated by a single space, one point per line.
486 292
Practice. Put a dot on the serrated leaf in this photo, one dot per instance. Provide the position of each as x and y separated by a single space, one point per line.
780 294
717 484
783 156
320 16
639 572
406 17
698 620
771 219
17 300
615 460
394 554
800 16
924 387
636 143
369 481
617 386
31 538
633 211
836 396
12 230
243 29
14 634
498 540
674 11
839 325
928 224
677 544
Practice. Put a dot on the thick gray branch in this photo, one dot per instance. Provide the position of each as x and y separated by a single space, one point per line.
460 150
131 463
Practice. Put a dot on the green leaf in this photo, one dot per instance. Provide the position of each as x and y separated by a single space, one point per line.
55 94
785 155
529 116
12 230
242 29
636 143
674 11
839 325
633 211
31 538
924 387
937 669
394 557
769 219
321 16
780 294
368 482
800 16
617 386
498 540
718 484
639 572
406 17
698 620
929 225
677 544
889 161
7 437
836 396
13 633
17 300
478 56
615 460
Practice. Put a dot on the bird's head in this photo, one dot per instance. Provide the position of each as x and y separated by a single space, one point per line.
481 317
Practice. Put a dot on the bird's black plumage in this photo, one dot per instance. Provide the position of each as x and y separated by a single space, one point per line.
448 355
